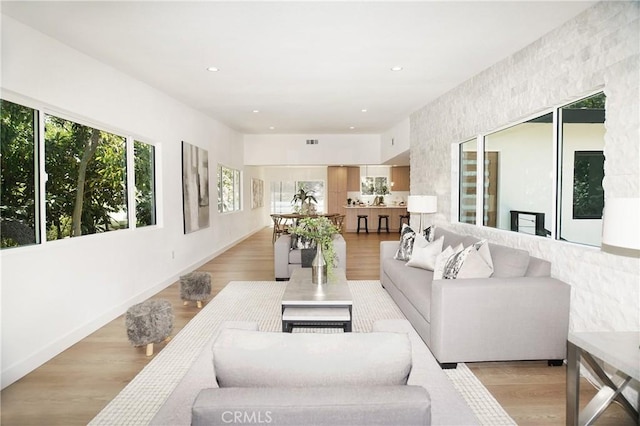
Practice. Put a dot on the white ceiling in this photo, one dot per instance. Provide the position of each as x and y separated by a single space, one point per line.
307 67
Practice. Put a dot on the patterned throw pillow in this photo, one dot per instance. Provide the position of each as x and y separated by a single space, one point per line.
407 237
470 263
300 242
429 233
442 259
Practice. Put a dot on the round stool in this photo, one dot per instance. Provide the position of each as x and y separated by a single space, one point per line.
149 322
386 222
195 286
366 222
402 218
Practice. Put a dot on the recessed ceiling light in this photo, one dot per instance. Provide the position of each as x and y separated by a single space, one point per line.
256 110
271 128
364 110
351 127
213 69
396 68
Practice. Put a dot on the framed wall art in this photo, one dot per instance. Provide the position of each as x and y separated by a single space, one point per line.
257 193
195 187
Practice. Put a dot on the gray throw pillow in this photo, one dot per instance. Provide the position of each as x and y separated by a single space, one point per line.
262 359
407 237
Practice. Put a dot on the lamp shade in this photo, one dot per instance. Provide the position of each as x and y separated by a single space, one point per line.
422 204
621 223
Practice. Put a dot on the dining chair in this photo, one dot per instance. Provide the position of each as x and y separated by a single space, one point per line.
279 226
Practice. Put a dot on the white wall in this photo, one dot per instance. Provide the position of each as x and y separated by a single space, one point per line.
597 49
56 293
331 150
395 141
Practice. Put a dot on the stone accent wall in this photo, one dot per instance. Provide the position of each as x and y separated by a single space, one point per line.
599 49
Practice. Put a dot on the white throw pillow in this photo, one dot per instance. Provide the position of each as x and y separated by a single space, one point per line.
424 253
442 258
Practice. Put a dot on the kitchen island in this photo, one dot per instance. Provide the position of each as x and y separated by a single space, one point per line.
372 211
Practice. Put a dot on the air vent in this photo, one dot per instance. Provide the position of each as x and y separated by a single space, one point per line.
312 141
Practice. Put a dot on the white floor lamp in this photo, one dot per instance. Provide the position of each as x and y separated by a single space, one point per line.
422 204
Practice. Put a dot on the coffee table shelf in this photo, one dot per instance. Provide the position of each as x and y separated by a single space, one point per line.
305 304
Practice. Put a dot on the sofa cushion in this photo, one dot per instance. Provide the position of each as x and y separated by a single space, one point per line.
379 405
425 253
508 262
262 359
450 238
414 283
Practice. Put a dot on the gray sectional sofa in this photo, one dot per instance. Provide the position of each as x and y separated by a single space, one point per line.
519 313
386 377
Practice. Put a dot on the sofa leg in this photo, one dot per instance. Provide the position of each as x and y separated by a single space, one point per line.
448 365
555 362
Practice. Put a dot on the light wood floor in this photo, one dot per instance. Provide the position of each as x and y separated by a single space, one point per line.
74 386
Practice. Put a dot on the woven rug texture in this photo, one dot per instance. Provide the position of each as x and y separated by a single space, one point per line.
259 301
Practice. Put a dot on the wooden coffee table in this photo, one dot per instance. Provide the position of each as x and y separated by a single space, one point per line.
305 304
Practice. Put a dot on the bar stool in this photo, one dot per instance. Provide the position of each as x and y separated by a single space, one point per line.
402 218
366 222
386 222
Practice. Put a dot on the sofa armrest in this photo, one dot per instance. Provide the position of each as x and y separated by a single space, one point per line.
340 247
381 405
281 256
499 319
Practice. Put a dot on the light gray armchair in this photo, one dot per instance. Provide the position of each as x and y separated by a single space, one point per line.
286 260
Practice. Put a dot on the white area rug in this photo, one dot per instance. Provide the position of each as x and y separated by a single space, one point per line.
260 302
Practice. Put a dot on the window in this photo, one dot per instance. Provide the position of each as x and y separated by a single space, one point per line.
542 177
85 190
144 165
229 193
19 188
282 194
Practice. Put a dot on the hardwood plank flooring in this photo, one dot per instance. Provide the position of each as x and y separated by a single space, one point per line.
74 386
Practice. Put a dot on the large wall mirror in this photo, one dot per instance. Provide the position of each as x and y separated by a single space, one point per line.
582 159
540 177
518 177
467 183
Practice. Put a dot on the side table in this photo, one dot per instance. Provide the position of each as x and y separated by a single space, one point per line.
620 350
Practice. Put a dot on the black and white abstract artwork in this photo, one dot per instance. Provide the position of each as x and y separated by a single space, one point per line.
195 187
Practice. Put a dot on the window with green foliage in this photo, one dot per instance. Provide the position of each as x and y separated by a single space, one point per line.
19 175
84 184
144 164
86 189
229 193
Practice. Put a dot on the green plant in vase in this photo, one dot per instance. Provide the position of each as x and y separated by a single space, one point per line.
305 198
321 230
